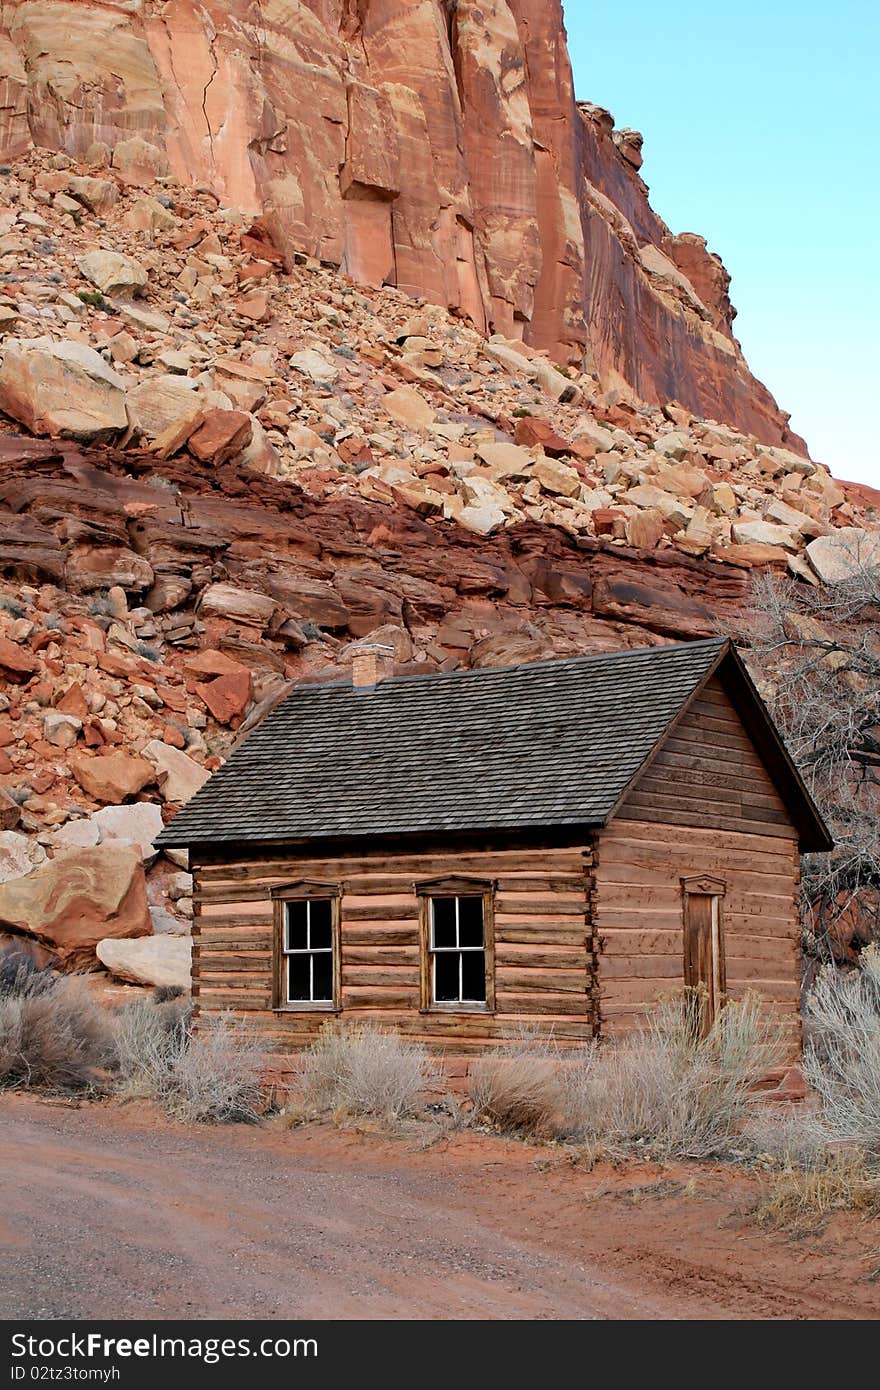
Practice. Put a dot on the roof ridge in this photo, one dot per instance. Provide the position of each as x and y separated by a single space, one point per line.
520 667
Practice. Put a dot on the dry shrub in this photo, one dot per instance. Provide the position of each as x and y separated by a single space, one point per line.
802 1198
665 1090
213 1076
842 1056
361 1070
151 1036
517 1090
791 1135
53 1036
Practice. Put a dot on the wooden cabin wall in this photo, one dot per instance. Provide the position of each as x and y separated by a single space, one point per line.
708 773
638 916
544 965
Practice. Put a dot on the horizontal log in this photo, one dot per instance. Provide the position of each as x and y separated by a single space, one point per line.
522 981
636 877
355 998
539 956
541 1003
382 912
287 868
397 977
698 817
539 907
553 933
667 835
360 936
237 939
379 955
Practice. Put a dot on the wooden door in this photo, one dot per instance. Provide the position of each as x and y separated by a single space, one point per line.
704 955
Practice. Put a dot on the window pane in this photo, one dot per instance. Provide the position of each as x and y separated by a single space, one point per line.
296 926
446 977
470 921
322 931
473 966
323 976
444 921
298 987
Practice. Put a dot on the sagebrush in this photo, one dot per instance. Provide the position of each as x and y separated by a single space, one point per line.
842 1053
53 1036
212 1076
360 1069
668 1090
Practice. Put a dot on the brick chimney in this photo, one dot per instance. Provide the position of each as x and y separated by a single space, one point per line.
370 663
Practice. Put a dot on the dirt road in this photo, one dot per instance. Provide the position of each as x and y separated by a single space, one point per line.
115 1212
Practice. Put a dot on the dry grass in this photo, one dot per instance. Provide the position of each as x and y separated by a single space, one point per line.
667 1092
358 1069
211 1077
53 1036
801 1199
842 1057
517 1091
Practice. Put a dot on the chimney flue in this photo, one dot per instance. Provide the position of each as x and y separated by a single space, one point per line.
370 664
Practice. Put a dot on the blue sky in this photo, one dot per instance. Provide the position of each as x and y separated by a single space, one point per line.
761 130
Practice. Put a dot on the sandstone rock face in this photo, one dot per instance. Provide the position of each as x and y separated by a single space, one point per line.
61 388
77 900
431 146
149 960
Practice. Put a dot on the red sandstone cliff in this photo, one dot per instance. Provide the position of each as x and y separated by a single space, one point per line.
435 145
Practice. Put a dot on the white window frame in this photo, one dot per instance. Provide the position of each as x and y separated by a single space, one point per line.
460 951
310 951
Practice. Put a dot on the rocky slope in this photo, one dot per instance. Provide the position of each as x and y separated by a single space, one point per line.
218 475
432 145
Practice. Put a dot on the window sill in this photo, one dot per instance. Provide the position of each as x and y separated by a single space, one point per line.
457 1009
308 1008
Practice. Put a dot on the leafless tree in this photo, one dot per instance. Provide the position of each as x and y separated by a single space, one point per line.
815 654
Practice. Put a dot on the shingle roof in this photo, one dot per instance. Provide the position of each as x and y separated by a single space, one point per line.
555 743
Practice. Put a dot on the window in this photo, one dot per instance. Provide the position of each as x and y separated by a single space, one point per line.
457 945
458 951
307 948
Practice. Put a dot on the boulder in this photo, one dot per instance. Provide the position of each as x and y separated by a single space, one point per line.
139 162
77 899
16 662
18 855
96 194
91 567
178 775
137 824
114 273
505 460
77 834
10 811
844 554
62 388
111 777
227 696
409 408
240 605
556 478
315 366
532 432
160 402
221 435
61 730
764 533
164 960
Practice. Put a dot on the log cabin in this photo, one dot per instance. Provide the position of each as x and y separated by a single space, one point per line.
465 856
